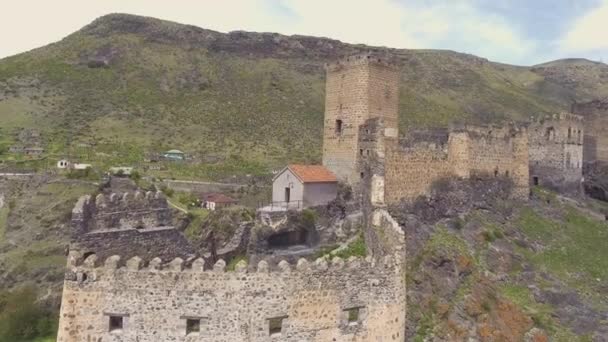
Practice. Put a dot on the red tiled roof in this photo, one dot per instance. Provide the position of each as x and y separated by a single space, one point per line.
313 173
217 198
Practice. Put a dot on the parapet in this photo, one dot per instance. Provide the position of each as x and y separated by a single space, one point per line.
365 58
563 116
505 131
92 269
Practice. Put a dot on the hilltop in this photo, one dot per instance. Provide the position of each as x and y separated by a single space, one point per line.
242 102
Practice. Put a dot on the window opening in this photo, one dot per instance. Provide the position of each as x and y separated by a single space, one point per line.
116 323
193 326
275 326
338 127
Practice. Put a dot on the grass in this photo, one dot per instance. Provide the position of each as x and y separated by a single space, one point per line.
541 314
248 113
232 264
194 228
575 249
3 217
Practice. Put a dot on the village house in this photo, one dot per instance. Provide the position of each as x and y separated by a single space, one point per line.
174 155
300 186
216 200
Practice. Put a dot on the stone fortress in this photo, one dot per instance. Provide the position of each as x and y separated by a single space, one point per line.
132 276
362 145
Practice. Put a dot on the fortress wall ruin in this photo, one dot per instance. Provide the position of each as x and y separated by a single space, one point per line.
595 114
313 301
127 224
556 152
471 151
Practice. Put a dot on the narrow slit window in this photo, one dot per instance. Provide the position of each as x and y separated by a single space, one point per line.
116 323
362 175
193 326
275 326
338 127
361 151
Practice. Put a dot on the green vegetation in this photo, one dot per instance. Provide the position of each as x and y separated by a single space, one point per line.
23 319
575 249
355 248
232 264
541 314
231 104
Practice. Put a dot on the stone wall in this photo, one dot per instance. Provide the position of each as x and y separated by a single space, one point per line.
595 142
556 152
155 302
130 210
357 88
413 165
128 224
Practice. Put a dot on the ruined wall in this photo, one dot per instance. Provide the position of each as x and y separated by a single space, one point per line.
410 171
556 152
422 158
357 88
128 224
156 301
499 151
115 211
595 142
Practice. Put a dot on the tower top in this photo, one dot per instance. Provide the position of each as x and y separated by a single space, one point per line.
376 58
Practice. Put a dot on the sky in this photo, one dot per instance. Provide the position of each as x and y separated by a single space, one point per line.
523 32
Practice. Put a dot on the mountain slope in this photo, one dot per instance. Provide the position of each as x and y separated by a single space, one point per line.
242 102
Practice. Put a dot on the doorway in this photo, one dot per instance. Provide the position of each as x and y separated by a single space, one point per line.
287 194
535 180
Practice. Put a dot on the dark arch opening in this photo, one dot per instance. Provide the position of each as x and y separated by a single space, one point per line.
87 254
283 240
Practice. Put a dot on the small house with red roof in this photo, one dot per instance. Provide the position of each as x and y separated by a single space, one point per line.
216 200
300 186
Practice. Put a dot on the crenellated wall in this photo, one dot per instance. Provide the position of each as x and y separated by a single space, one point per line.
556 152
156 299
408 169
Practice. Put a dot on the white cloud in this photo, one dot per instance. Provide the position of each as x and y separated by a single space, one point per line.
588 33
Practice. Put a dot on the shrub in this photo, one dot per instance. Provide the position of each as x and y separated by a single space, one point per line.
309 217
22 318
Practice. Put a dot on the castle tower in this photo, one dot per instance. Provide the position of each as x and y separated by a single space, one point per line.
358 88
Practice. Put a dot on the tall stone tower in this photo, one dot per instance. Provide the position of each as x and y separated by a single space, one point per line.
358 88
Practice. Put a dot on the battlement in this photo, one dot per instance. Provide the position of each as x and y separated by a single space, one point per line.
91 269
311 300
563 116
507 131
363 59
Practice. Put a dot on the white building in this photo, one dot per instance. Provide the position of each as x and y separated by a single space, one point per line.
301 186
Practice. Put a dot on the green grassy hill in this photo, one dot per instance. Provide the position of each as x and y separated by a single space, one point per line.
241 102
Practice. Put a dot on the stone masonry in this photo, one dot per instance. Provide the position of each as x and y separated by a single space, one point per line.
129 224
361 141
358 88
595 114
556 152
150 300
